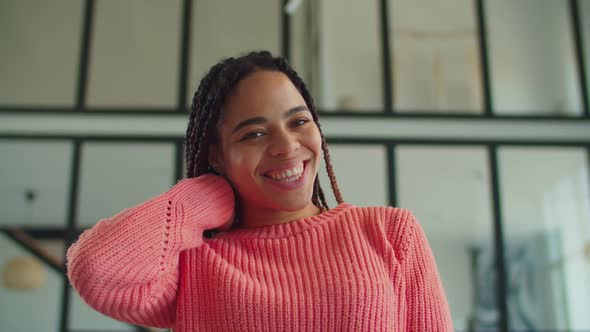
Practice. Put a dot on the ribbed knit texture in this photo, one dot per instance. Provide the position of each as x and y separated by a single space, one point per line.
348 269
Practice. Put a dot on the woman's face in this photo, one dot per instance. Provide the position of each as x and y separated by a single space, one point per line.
269 147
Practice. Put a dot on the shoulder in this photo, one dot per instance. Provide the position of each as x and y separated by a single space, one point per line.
397 224
393 219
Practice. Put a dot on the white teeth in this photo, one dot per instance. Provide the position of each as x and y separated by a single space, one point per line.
289 175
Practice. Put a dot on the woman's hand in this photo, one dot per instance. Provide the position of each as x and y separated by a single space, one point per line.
228 224
207 202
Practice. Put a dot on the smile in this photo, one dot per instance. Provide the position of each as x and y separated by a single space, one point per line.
288 175
289 178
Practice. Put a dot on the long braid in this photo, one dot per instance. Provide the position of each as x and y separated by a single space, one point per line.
330 170
199 119
320 194
201 160
314 198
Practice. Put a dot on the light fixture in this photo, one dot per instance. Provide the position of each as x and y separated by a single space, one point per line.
23 273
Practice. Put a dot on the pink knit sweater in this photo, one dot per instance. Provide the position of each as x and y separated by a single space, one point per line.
352 269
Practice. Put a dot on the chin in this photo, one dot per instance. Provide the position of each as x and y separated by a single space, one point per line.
293 206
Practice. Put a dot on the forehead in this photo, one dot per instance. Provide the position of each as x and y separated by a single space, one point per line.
262 93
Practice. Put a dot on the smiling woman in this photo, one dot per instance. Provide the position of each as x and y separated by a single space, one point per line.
280 258
269 148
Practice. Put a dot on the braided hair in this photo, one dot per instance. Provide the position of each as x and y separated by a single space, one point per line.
214 89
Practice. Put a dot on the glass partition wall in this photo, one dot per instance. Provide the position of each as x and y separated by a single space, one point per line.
508 221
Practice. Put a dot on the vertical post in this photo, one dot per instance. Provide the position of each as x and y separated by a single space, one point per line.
185 49
71 228
388 95
81 93
579 50
391 175
499 244
83 62
179 160
488 106
285 31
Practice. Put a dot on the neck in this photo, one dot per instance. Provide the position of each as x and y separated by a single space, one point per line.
259 217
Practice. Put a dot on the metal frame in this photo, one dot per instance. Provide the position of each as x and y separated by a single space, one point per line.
386 57
577 33
90 111
483 52
285 41
71 231
499 246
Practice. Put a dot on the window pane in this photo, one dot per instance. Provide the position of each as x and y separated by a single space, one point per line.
36 309
305 24
116 176
35 180
351 160
546 213
436 65
448 190
83 317
226 28
533 69
349 64
134 59
40 47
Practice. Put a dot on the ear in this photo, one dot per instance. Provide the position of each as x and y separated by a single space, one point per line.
216 158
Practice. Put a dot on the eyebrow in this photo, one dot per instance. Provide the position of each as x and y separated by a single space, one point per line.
260 119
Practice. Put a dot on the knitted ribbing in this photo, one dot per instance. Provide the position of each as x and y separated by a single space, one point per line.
352 269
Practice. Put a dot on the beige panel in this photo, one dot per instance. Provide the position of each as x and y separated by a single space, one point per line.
135 54
226 28
350 58
40 51
436 63
532 60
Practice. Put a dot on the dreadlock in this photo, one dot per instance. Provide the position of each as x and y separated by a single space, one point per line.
207 101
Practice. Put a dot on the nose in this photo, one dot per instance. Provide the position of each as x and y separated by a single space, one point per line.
284 143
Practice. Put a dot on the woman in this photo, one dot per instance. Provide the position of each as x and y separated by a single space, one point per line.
281 259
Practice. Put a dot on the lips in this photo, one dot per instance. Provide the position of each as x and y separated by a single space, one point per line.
288 173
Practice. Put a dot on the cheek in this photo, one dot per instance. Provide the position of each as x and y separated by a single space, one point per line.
240 161
314 142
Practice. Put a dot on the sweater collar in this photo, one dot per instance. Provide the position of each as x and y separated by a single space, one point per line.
285 229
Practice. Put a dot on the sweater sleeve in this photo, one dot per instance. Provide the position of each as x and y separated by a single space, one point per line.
126 266
426 303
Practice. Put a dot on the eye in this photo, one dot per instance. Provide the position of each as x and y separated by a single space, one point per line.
252 135
300 122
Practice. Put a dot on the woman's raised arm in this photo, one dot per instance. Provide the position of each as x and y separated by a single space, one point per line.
126 266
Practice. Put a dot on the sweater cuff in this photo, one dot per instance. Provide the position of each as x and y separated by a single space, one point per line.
204 202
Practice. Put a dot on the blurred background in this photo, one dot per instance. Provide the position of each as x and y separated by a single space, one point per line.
473 114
